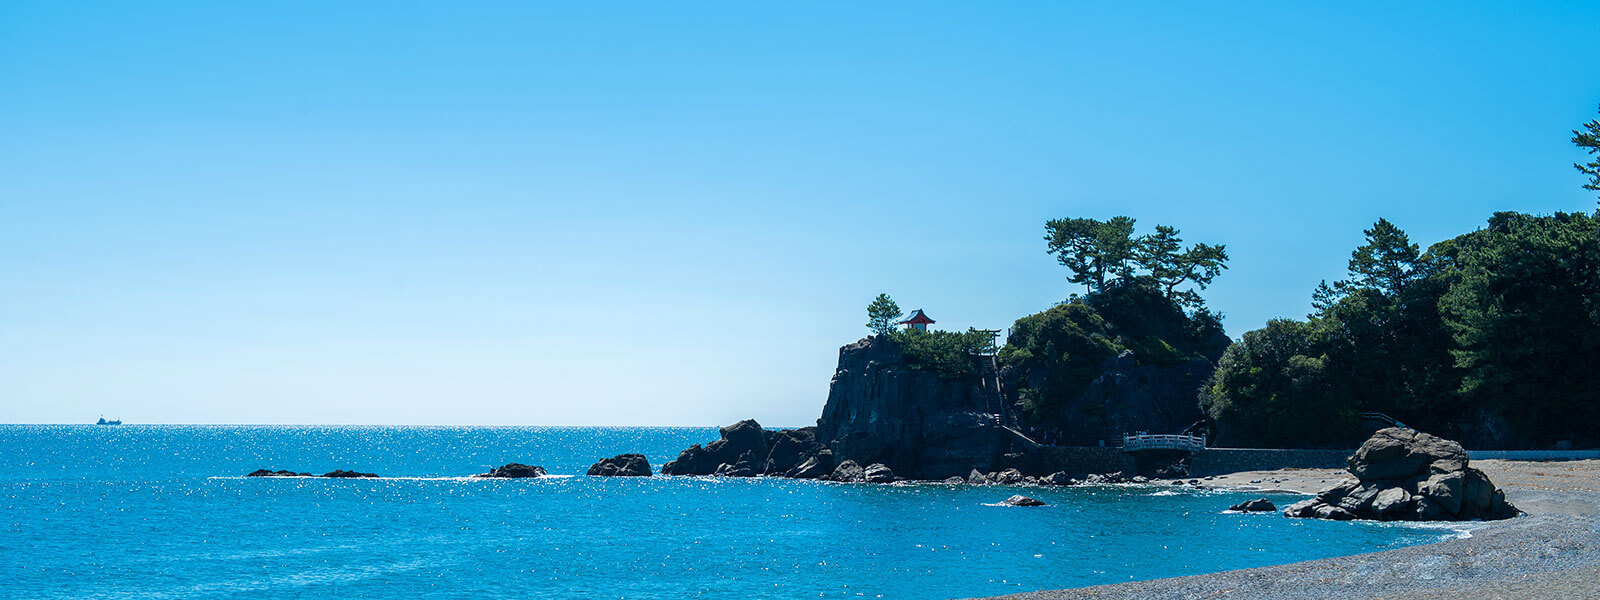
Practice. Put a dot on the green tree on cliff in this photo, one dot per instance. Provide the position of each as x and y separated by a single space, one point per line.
1093 250
1165 260
1588 138
882 314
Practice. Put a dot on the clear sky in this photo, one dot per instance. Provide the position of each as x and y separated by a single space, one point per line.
675 213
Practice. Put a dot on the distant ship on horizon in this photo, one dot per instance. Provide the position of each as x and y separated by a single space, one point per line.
103 421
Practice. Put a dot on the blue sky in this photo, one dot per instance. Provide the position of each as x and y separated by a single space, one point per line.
674 214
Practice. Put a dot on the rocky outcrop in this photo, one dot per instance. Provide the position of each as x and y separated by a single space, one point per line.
1257 505
336 474
343 474
744 440
514 471
876 473
1406 475
1126 396
916 423
747 450
1020 500
849 472
622 465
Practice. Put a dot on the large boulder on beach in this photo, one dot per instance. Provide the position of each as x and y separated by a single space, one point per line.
514 471
622 465
1406 475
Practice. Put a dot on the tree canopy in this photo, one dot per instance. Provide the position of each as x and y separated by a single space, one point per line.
1105 254
1489 337
882 314
1588 138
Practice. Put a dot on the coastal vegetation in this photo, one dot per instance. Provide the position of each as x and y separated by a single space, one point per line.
1489 337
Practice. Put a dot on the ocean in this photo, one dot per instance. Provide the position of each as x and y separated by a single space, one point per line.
137 511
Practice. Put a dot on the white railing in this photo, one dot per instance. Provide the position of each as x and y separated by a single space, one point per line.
1150 441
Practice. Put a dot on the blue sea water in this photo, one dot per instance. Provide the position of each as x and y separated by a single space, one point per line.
164 512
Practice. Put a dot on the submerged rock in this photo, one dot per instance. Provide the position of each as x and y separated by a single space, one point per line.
1257 505
622 465
343 474
266 473
1406 475
515 471
1021 500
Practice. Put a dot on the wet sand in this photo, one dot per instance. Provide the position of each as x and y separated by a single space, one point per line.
1553 552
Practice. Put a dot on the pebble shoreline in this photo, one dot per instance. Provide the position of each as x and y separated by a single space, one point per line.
1553 552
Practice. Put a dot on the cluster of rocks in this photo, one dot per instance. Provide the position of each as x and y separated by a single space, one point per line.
1405 475
747 450
622 465
338 474
515 471
850 472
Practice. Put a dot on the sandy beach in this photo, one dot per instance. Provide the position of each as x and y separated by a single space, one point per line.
1552 552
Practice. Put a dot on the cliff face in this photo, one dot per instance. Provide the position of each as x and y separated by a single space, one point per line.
1127 397
920 425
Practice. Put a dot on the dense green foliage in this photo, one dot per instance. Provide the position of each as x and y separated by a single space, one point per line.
1588 138
950 354
1491 337
1061 349
882 314
1105 254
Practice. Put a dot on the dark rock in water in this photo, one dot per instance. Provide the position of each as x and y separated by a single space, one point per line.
789 449
918 424
876 473
814 467
514 471
1257 505
1406 475
343 474
954 481
266 473
977 478
622 465
744 467
745 438
848 471
1020 500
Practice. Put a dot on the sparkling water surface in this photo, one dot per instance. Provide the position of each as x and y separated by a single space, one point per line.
163 512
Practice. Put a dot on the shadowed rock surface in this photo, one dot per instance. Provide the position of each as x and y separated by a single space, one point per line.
267 473
921 426
622 465
1406 475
